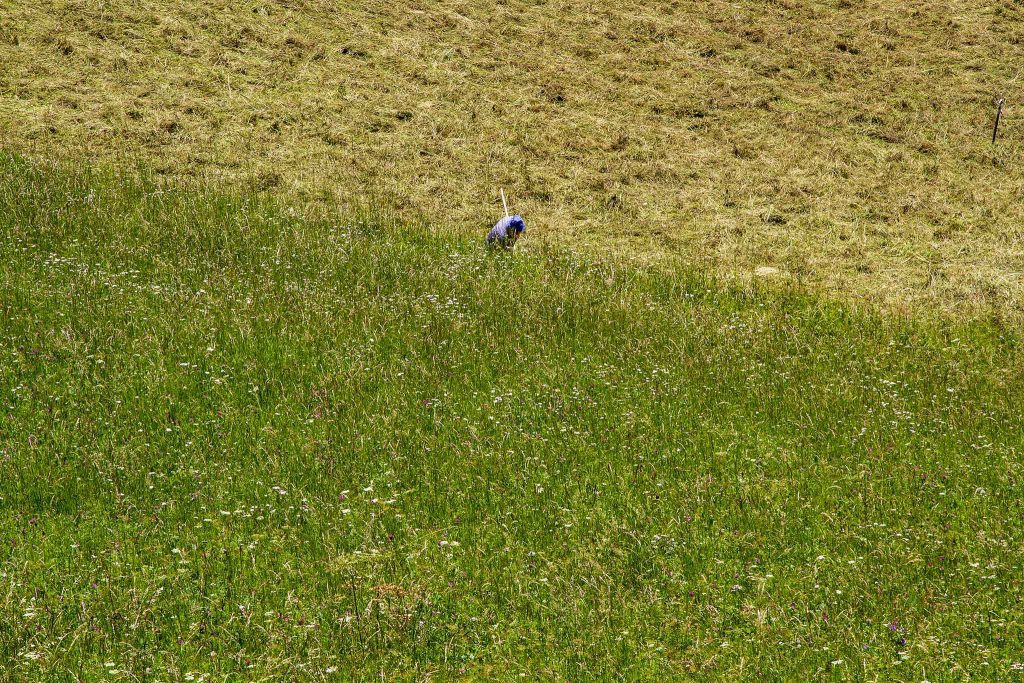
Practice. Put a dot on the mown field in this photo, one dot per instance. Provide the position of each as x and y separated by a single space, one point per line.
845 143
245 442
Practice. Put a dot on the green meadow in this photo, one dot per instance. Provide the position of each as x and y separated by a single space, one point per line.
245 440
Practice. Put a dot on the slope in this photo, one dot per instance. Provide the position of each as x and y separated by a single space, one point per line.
844 143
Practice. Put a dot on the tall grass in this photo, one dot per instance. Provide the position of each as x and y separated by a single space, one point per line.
243 444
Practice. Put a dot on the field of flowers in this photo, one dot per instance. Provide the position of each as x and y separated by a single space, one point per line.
243 442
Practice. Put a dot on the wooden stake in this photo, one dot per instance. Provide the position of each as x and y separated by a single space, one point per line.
503 202
999 112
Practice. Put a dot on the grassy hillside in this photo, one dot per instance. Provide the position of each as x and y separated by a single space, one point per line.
846 143
238 443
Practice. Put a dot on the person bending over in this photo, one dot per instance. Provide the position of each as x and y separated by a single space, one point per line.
506 231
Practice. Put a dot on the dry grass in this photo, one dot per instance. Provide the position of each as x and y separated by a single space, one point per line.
846 144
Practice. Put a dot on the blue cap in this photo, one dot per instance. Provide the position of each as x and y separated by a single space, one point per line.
518 224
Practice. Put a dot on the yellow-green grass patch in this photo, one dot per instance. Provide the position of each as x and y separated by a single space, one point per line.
846 144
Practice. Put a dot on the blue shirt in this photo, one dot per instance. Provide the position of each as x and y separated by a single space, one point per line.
506 230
